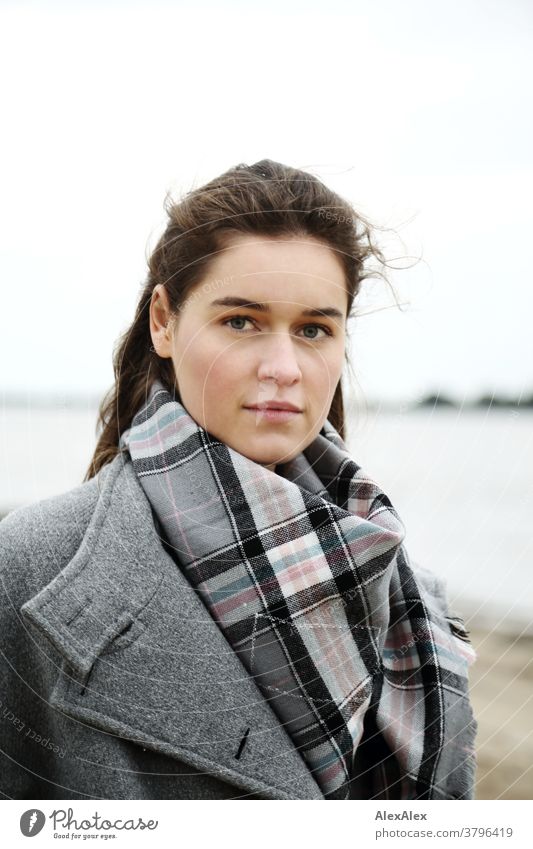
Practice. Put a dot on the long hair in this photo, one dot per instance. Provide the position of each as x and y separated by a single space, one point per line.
264 199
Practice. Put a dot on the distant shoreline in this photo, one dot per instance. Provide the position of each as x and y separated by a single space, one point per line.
54 400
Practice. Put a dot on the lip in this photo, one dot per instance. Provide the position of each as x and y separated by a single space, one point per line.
270 414
274 405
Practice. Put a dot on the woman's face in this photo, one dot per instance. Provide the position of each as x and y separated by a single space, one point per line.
264 328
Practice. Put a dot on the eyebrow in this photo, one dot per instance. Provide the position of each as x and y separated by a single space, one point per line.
230 301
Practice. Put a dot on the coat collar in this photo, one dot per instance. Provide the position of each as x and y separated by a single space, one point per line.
145 660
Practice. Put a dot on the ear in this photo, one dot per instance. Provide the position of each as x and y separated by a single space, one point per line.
161 322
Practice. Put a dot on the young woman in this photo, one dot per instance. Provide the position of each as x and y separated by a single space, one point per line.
224 608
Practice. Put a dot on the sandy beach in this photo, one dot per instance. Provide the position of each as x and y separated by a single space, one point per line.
501 686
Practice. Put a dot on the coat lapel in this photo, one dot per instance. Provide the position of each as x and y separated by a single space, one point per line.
145 660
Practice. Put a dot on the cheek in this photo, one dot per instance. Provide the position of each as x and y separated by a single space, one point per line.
337 366
191 358
222 373
324 370
207 365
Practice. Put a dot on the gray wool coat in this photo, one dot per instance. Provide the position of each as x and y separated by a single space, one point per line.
115 682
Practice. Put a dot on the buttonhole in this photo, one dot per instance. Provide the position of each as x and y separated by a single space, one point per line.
242 744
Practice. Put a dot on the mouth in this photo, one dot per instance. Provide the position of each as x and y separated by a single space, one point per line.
275 411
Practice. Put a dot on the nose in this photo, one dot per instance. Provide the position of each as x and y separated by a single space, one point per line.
278 360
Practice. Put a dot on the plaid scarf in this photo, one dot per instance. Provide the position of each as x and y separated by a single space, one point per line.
304 571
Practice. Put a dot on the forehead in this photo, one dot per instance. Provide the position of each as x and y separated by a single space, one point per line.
277 268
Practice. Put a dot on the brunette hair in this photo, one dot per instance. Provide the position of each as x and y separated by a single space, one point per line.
264 199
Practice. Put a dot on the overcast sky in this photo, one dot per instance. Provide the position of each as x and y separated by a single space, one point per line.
417 112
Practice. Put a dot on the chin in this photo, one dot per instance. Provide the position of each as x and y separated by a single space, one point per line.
261 458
